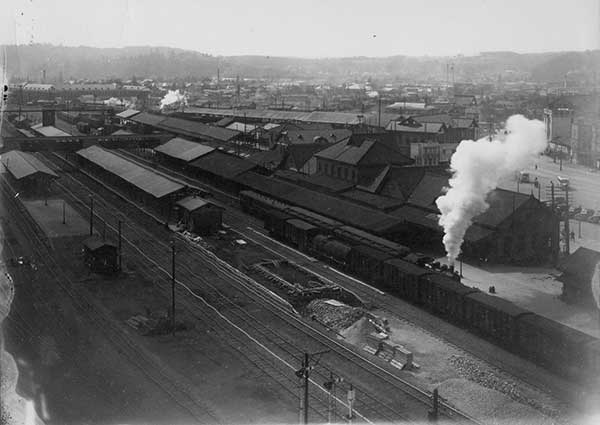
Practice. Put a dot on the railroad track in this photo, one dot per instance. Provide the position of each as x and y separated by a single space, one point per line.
284 345
113 331
233 215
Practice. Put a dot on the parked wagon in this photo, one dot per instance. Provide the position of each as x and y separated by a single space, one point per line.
446 296
367 262
493 316
402 278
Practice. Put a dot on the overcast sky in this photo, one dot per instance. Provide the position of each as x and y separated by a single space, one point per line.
309 28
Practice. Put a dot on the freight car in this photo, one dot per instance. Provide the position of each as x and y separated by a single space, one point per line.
437 288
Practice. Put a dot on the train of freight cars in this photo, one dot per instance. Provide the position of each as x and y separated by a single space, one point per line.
415 278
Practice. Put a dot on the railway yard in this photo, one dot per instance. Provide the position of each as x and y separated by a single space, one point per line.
245 315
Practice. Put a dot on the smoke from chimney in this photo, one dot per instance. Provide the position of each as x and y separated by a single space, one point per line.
173 96
477 167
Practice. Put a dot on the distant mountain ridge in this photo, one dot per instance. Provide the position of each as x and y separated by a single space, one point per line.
62 62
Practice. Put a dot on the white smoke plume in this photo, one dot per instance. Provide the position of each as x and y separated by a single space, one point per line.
113 101
173 96
477 167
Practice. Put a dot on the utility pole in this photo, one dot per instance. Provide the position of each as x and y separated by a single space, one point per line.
330 387
306 380
64 215
173 287
568 233
434 413
91 215
552 193
120 247
103 230
379 115
304 373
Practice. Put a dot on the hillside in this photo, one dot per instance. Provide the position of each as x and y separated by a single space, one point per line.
28 61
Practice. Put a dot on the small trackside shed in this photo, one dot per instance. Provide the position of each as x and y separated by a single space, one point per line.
27 173
100 256
142 185
200 216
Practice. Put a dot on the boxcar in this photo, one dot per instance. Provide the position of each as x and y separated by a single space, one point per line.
300 233
551 344
275 223
367 262
402 278
326 247
447 295
493 316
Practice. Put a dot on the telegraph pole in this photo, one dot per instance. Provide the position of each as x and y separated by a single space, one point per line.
64 214
91 215
306 380
173 287
120 247
568 233
304 373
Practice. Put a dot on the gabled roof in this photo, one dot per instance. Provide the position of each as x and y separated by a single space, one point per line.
241 127
183 149
581 264
148 119
128 113
23 164
192 203
365 151
49 131
150 182
95 242
196 129
502 205
344 211
122 132
270 159
222 164
428 190
300 154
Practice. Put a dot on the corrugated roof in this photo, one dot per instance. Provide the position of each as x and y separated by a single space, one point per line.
22 164
148 119
49 131
128 113
222 164
183 149
146 180
196 129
